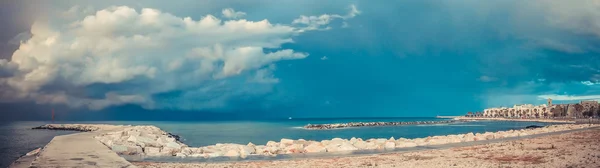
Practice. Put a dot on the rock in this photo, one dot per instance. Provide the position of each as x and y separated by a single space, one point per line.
213 154
360 144
269 150
232 153
315 147
339 147
405 145
286 142
259 149
148 141
419 141
389 145
171 148
133 133
294 148
490 137
132 138
325 142
174 145
247 150
392 139
479 137
250 144
187 151
353 140
380 141
127 149
152 151
303 142
143 141
272 143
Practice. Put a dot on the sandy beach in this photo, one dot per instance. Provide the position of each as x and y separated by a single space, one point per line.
576 149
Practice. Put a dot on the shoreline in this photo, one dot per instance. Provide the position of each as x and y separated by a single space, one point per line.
516 119
149 141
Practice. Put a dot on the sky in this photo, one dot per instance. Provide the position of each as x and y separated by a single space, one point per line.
195 60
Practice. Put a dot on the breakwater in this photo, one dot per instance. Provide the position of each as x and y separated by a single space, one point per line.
69 127
372 124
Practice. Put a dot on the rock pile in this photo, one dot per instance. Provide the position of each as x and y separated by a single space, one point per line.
151 141
142 140
371 124
69 127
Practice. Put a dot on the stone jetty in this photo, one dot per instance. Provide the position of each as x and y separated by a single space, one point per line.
152 141
372 124
78 127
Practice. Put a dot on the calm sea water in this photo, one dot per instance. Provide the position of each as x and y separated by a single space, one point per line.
18 138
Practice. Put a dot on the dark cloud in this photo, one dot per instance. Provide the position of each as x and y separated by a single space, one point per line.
392 60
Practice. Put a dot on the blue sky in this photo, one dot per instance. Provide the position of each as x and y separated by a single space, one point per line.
258 59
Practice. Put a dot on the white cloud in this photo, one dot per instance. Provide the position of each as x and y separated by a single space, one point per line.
230 13
590 83
569 97
321 22
120 55
324 58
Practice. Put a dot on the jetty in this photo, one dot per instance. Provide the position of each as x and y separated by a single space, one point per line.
372 124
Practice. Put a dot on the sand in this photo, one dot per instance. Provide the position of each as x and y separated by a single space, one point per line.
576 149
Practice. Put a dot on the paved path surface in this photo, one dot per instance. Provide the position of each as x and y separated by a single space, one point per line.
78 150
23 162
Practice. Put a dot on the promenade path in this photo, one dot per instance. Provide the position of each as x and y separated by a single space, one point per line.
78 150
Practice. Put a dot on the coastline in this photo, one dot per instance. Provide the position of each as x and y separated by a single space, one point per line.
573 149
516 119
126 140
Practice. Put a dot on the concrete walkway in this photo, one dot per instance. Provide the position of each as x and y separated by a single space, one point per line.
78 150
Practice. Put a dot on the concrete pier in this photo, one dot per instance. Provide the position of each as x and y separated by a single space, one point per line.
78 150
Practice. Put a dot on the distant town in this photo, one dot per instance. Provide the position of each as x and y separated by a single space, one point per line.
583 109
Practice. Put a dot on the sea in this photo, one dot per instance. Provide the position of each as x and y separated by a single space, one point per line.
18 138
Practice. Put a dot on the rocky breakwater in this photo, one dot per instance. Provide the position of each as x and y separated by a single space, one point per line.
70 127
151 141
372 124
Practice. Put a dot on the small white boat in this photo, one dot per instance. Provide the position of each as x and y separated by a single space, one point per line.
290 118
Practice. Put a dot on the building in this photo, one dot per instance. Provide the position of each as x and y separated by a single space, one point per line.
582 109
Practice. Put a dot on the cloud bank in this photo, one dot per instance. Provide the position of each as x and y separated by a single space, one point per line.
120 55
